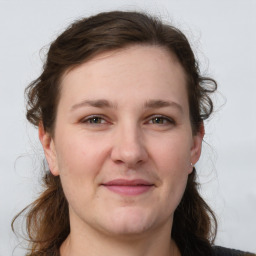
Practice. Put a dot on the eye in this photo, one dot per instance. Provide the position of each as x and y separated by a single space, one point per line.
161 120
94 120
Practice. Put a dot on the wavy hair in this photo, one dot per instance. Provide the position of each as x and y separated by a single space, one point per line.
47 218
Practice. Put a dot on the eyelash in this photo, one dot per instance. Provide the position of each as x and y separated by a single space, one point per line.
88 119
165 119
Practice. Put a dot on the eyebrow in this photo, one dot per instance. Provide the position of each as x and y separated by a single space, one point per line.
162 104
102 103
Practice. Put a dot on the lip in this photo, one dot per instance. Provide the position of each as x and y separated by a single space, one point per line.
129 187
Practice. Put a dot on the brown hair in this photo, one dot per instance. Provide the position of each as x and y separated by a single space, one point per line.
194 225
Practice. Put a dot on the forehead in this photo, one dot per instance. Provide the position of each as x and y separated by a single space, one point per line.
146 71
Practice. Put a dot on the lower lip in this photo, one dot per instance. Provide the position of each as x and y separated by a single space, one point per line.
129 190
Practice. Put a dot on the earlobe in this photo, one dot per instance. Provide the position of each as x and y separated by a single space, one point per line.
197 145
49 149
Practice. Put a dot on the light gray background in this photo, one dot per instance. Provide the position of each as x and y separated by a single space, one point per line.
224 38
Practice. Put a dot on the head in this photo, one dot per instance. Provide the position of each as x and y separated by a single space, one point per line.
101 39
104 32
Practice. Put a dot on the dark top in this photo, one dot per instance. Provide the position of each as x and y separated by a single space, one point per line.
217 251
221 251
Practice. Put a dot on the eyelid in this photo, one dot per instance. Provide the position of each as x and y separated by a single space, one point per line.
87 118
84 120
169 119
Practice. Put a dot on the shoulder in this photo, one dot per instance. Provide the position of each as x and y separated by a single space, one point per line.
221 251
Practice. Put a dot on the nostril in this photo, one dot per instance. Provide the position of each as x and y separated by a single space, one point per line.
119 162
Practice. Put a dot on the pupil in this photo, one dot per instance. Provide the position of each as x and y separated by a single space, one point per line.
95 120
158 120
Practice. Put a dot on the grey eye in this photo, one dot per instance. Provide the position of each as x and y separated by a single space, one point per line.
95 120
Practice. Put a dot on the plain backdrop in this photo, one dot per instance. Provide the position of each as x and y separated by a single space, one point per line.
223 35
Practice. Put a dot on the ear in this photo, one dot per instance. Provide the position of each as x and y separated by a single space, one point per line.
197 145
49 149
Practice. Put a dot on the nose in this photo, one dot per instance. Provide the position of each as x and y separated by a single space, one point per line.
128 147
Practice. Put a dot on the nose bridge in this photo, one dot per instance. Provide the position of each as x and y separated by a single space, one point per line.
129 146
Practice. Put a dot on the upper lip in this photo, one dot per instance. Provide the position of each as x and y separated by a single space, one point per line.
125 182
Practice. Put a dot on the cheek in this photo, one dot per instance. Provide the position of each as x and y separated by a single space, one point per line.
172 154
172 162
79 161
79 154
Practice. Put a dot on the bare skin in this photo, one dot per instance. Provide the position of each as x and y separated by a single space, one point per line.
123 147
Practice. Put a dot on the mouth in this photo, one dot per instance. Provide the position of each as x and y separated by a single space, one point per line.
128 187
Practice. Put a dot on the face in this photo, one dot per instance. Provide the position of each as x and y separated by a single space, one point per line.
123 143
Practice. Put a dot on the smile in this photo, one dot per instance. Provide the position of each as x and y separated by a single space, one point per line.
128 187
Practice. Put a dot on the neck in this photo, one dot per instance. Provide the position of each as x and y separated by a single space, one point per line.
157 243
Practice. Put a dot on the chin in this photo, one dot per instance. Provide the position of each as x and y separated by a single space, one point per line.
128 222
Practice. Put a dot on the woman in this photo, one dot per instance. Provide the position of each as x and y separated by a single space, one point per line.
120 107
